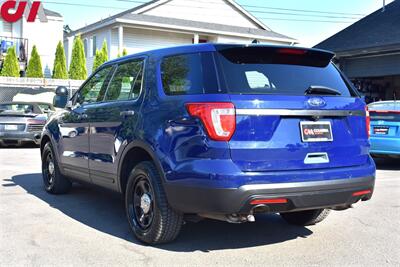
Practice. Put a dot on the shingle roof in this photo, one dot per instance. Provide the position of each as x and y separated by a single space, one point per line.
129 15
172 22
379 29
52 13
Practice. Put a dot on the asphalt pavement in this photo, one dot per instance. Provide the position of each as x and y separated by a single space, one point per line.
88 227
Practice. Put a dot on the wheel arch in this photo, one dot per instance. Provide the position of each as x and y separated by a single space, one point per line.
133 154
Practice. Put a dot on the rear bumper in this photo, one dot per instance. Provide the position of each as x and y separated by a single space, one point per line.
299 196
385 145
19 137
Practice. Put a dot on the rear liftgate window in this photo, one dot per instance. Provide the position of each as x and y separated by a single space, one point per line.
270 70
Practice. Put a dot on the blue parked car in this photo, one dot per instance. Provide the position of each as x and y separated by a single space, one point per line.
214 131
385 128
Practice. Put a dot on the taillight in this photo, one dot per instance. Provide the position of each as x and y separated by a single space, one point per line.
219 118
367 121
35 121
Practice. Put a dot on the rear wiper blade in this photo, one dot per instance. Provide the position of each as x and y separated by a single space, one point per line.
321 90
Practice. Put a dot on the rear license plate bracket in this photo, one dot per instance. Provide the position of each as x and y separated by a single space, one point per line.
316 131
381 130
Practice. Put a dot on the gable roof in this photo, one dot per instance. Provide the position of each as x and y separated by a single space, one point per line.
52 13
201 26
239 8
135 16
378 30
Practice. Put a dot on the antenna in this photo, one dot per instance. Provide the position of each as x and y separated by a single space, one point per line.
384 6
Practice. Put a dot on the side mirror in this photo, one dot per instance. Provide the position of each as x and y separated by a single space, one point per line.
61 97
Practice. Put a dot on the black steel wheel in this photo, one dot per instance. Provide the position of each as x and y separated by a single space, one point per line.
143 203
150 217
54 182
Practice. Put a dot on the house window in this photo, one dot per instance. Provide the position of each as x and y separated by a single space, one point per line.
94 45
85 47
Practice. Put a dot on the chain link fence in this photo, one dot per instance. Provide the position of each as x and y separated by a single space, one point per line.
11 88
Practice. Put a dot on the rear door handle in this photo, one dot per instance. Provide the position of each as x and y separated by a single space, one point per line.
127 113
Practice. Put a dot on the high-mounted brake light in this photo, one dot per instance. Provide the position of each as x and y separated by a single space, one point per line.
219 118
385 111
367 121
292 51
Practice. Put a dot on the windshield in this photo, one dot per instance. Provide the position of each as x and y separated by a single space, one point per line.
24 108
279 71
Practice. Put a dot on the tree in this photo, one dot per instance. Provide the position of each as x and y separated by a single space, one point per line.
77 68
104 52
124 52
60 63
101 56
11 65
98 58
34 69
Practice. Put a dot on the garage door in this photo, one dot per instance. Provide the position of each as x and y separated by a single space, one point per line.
372 66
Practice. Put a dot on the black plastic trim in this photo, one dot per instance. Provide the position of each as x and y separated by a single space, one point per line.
301 196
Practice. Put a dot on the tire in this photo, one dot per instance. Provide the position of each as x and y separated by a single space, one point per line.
150 217
306 217
54 182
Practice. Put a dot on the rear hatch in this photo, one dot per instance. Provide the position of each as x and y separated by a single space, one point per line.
294 110
385 119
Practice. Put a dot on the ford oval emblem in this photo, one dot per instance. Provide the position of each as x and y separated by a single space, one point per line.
316 102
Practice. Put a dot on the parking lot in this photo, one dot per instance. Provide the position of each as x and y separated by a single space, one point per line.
88 227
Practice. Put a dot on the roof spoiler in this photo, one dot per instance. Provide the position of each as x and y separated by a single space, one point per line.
262 54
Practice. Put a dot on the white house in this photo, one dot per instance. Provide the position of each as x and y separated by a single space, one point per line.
45 33
162 23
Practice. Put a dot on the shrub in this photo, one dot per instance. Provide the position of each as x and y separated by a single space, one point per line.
60 63
10 65
98 58
77 68
34 69
101 56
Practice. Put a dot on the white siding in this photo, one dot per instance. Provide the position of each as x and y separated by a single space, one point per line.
211 11
101 35
240 40
5 28
138 40
45 35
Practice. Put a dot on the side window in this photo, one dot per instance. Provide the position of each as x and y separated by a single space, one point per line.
93 90
94 45
189 74
127 81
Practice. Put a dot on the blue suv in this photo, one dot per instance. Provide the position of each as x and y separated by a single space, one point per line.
214 131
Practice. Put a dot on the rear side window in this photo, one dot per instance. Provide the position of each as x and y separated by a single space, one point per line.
264 70
384 106
189 74
388 111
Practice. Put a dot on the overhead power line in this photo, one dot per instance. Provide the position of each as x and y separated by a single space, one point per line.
266 18
83 5
263 7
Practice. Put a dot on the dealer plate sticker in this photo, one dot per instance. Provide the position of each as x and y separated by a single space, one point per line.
316 131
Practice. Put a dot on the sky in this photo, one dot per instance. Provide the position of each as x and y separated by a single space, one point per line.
308 21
